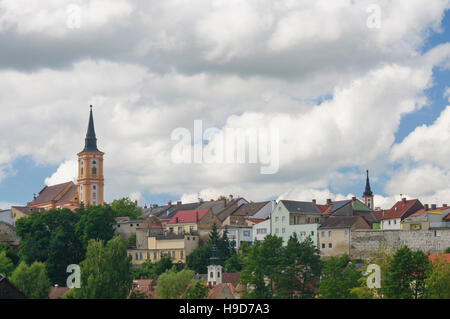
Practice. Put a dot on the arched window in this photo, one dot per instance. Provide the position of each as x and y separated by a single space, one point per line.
94 171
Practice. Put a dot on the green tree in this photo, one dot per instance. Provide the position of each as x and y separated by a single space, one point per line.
198 260
196 291
447 250
150 270
95 223
10 253
172 284
105 273
222 197
126 207
438 283
406 274
301 269
6 264
381 257
338 278
32 280
262 268
131 241
50 237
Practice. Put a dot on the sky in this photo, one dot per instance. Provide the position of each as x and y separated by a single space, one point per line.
346 86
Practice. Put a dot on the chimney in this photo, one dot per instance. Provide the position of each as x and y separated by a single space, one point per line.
231 197
353 199
145 206
34 196
425 207
196 216
404 200
328 201
211 200
314 201
169 203
176 220
154 205
433 206
179 202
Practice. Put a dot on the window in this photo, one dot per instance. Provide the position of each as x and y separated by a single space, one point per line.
180 230
140 256
389 222
330 245
218 274
155 255
282 219
438 246
308 220
312 232
94 171
94 187
329 233
437 233
148 255
137 257
283 230
191 229
170 229
246 233
323 235
345 233
317 220
181 254
395 221
211 275
276 219
323 245
296 220
276 230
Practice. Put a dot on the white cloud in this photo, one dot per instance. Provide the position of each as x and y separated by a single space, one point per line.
66 172
150 67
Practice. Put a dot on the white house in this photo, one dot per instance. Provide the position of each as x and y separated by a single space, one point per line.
261 230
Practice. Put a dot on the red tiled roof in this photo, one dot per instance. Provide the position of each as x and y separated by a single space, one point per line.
49 193
73 190
447 218
399 209
324 209
231 277
188 216
378 214
214 292
151 222
446 256
255 220
57 292
418 213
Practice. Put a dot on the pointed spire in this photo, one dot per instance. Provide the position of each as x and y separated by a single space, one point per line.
91 140
214 260
368 191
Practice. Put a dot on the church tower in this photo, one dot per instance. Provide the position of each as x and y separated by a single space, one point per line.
90 169
368 195
214 269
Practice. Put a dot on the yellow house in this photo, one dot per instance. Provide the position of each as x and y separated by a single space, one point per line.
176 246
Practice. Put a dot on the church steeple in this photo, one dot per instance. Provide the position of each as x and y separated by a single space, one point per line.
368 191
90 144
214 268
368 195
90 169
214 260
